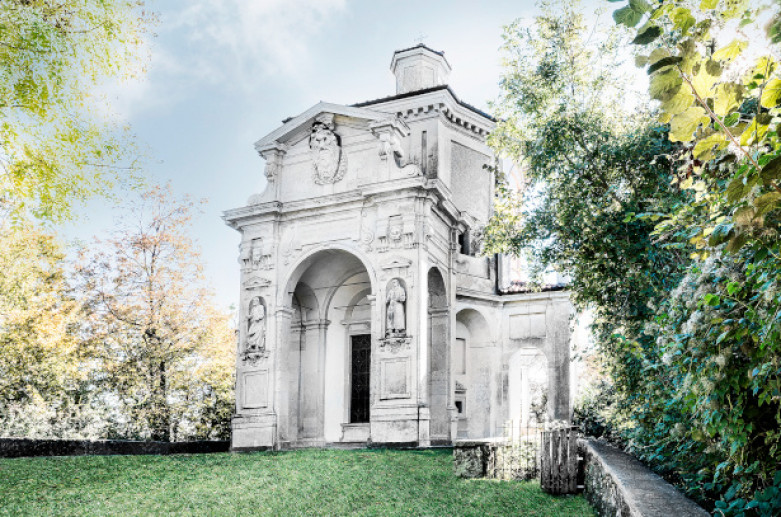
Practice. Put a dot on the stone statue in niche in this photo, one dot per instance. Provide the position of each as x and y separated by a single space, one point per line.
476 241
328 160
256 327
396 300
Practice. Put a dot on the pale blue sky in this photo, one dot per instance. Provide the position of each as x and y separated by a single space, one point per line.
223 73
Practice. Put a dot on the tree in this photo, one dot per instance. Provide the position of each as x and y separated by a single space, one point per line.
715 412
590 166
44 370
166 352
55 146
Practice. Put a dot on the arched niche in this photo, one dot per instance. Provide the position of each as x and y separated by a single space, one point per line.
473 345
528 386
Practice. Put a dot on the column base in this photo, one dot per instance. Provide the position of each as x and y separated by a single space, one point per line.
253 432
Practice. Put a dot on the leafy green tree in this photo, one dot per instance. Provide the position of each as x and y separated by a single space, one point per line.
590 165
166 354
55 146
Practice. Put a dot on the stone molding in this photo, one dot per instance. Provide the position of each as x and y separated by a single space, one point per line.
394 344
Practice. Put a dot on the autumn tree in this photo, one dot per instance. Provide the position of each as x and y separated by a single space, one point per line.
166 352
44 369
56 144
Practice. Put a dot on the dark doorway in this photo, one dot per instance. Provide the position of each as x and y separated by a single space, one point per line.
359 390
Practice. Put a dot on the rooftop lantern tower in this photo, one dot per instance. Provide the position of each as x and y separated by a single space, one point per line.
418 68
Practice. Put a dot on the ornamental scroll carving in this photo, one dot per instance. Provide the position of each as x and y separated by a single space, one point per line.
329 163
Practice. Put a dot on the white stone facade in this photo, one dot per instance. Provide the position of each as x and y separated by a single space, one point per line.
366 312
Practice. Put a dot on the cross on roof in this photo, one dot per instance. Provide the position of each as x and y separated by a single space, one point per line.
420 38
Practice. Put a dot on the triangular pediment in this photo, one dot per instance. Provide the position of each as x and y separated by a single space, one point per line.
294 126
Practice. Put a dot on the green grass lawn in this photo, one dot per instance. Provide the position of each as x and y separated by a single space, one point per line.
307 482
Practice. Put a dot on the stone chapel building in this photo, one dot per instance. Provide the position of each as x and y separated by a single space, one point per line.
367 313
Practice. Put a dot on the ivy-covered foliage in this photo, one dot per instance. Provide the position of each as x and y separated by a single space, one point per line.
670 232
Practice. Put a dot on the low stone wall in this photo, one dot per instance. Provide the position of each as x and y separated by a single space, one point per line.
20 447
618 485
495 459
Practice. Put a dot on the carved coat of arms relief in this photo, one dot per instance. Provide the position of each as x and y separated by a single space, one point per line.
329 163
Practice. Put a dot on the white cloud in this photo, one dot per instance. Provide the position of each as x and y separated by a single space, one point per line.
238 41
230 44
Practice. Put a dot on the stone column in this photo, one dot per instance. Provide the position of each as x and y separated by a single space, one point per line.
439 375
287 357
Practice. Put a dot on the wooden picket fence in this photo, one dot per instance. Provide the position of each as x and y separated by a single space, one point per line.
559 461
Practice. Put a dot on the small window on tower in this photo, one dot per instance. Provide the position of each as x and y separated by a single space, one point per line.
460 406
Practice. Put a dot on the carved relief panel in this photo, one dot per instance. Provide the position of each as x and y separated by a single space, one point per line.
256 255
329 162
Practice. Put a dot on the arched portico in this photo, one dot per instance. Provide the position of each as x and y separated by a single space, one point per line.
326 365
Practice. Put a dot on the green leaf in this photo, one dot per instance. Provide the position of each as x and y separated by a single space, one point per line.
737 242
771 94
641 61
720 234
708 4
627 16
730 51
744 216
771 171
679 102
683 19
731 119
664 62
664 84
704 78
767 202
728 96
736 189
753 133
647 35
706 145
683 125
641 6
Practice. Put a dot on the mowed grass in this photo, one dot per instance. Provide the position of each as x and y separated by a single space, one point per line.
306 482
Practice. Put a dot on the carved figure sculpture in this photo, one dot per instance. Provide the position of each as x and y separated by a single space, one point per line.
476 240
256 331
328 161
396 301
257 253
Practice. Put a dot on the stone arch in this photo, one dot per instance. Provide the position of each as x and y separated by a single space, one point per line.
304 302
324 286
300 266
355 302
479 384
528 396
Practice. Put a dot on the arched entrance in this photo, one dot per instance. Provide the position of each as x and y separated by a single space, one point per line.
528 389
327 365
473 363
